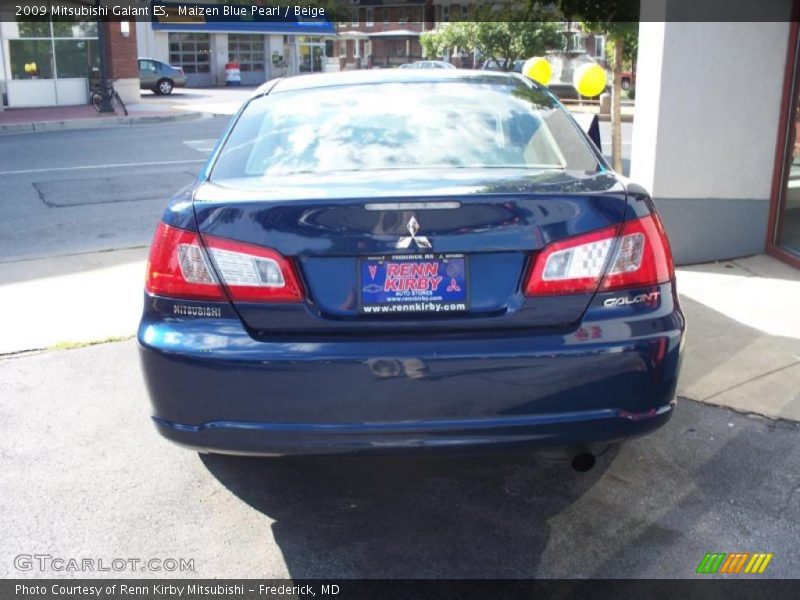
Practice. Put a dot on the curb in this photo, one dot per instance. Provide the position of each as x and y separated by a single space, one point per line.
99 124
602 117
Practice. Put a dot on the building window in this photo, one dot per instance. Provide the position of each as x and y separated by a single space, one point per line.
355 16
73 56
51 50
370 17
31 59
191 52
342 47
248 51
446 12
600 46
385 15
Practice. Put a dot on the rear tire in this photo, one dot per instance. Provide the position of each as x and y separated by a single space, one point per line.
164 87
626 84
96 100
118 103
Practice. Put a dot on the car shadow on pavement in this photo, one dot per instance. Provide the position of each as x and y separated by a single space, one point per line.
434 517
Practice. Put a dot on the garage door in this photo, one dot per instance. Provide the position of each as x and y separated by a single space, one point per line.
192 53
248 51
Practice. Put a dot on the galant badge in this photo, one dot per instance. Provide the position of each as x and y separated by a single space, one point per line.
413 228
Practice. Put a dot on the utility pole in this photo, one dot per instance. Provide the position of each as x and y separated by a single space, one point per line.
105 101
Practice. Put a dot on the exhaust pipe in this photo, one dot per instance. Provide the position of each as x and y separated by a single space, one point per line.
583 462
582 458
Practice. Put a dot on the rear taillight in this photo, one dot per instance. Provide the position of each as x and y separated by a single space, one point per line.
576 265
180 267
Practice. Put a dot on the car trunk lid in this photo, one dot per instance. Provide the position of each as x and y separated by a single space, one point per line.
359 239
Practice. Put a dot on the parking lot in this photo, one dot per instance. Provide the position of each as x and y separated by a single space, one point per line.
84 473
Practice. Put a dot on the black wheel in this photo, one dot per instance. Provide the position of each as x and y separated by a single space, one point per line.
117 102
97 100
626 84
164 87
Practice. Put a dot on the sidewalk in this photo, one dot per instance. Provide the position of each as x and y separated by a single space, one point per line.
742 345
217 100
743 339
85 117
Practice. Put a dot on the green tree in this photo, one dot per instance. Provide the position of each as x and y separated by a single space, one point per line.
619 20
501 41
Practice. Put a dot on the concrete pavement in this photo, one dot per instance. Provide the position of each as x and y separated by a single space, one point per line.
743 348
214 100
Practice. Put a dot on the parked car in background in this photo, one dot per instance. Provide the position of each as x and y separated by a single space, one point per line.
159 77
398 261
493 65
428 64
628 79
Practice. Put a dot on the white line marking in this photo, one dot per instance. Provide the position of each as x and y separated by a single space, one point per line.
204 146
112 166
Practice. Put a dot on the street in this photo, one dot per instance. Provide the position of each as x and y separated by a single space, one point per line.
84 473
66 192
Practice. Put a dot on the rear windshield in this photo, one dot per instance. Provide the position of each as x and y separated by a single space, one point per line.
403 126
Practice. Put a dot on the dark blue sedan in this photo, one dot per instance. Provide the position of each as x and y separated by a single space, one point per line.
398 260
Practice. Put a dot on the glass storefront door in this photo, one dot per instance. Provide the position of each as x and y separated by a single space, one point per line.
785 221
788 218
311 57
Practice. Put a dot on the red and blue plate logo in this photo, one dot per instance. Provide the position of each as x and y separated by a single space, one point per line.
424 283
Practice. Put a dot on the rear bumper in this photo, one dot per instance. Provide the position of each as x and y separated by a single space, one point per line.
278 439
215 388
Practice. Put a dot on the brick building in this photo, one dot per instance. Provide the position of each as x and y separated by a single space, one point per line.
383 33
121 63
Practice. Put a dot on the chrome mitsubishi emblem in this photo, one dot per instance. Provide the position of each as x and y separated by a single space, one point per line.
413 228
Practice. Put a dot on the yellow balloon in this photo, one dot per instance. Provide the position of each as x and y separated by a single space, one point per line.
538 69
589 80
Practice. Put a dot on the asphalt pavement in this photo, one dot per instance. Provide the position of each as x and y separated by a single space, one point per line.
73 191
84 474
91 190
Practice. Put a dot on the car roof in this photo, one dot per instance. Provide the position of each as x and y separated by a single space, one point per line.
373 76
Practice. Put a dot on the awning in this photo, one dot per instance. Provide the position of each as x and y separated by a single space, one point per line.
353 35
396 33
210 18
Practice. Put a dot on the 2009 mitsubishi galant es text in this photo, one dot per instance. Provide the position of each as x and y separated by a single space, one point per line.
411 259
